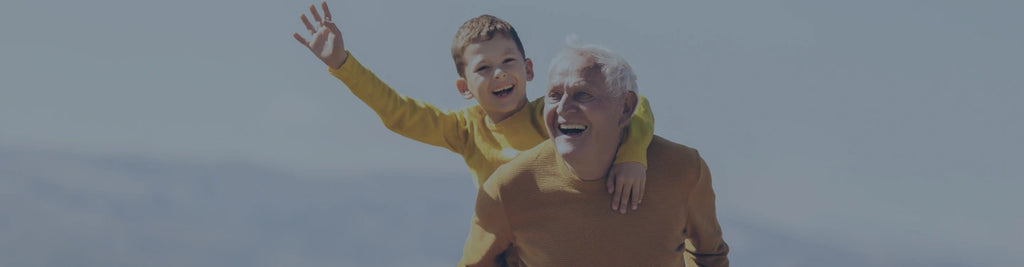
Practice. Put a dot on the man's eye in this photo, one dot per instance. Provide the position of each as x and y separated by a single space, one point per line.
554 96
584 96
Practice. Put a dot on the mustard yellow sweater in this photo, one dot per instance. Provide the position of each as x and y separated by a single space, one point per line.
534 212
483 145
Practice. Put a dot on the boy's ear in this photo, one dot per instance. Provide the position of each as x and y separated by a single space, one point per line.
463 88
628 107
529 70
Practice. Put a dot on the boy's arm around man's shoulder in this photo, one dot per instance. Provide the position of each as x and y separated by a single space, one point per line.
627 178
404 115
639 134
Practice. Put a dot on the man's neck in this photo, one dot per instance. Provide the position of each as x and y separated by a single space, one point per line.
590 168
595 166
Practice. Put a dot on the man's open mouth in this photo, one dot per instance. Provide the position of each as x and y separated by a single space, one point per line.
572 129
504 91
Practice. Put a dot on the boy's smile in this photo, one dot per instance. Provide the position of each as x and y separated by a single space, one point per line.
504 91
496 75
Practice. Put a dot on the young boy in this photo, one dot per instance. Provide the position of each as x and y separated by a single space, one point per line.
493 69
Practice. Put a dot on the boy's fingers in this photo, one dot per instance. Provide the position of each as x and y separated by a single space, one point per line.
615 196
624 205
316 15
327 12
308 25
636 196
643 189
621 195
300 39
333 27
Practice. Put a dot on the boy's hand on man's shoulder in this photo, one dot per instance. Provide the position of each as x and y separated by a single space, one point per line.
326 44
627 182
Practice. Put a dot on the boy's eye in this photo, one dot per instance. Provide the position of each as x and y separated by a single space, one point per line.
508 60
481 68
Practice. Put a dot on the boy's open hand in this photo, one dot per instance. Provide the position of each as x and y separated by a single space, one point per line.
327 43
627 182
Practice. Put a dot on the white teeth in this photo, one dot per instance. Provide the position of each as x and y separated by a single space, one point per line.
503 88
572 127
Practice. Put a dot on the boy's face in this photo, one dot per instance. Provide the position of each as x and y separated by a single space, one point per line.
496 75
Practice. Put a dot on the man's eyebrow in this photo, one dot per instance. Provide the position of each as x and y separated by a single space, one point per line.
577 84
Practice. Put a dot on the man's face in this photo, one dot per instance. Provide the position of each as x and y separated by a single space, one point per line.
583 119
496 75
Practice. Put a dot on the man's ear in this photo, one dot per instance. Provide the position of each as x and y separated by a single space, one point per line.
463 88
529 70
629 102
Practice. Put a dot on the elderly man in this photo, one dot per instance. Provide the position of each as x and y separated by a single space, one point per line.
547 207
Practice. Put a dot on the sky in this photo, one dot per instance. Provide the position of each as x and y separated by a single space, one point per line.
200 133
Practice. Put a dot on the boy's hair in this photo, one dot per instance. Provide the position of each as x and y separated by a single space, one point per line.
480 29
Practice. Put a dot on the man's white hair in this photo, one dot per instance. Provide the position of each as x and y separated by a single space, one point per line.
618 75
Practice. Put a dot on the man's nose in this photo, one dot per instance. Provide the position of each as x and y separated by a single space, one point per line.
566 105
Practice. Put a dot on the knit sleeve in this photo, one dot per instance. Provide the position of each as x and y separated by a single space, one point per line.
490 235
404 115
704 243
638 136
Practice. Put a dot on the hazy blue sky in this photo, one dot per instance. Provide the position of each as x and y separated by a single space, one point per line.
199 133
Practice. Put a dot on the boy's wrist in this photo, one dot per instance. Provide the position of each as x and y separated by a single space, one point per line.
343 60
348 70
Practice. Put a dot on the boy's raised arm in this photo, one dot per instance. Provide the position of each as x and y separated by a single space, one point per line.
404 115
409 117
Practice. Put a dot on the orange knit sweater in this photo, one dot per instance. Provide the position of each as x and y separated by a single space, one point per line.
534 212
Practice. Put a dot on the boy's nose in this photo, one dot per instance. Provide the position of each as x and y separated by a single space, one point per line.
500 74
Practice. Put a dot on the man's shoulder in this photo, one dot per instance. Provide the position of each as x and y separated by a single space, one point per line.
663 147
666 156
